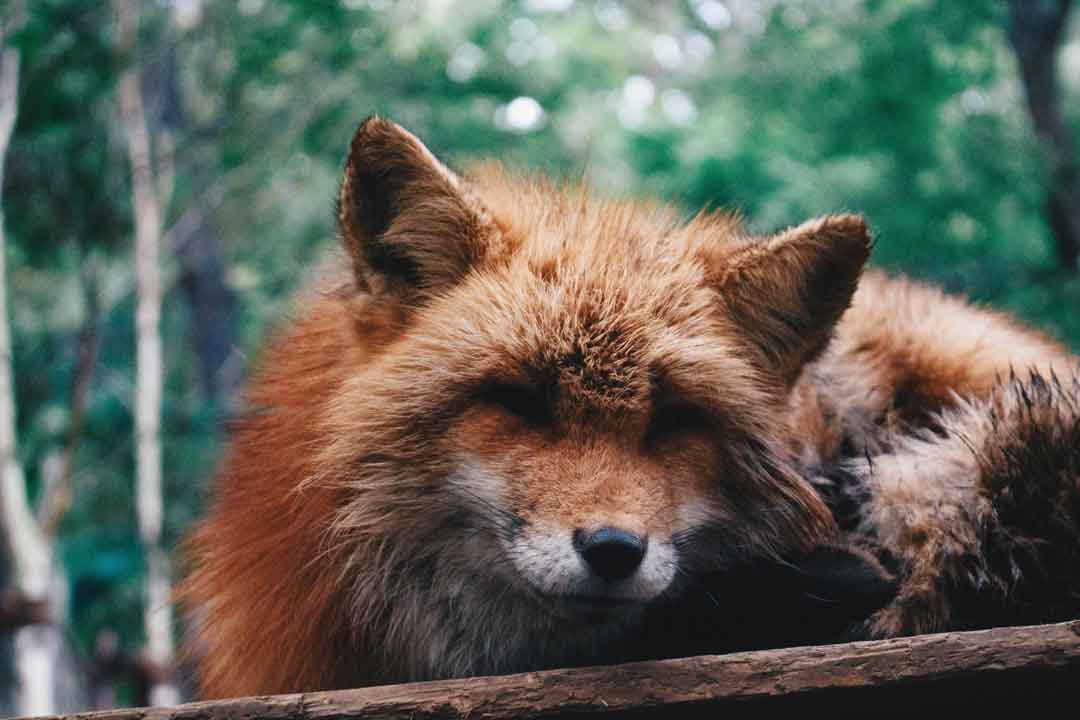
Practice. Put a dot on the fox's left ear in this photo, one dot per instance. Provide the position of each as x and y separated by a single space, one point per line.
786 292
405 219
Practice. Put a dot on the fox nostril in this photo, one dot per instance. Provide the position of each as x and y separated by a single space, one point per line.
611 553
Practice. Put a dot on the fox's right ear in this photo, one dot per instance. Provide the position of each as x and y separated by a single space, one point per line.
787 292
405 219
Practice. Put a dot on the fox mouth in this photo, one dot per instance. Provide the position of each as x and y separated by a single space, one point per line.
597 603
586 603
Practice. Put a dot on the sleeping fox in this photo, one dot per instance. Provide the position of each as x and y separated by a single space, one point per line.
519 426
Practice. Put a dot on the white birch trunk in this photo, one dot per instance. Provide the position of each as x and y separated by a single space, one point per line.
149 501
37 647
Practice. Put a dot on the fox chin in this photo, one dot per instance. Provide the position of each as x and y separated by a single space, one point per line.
513 419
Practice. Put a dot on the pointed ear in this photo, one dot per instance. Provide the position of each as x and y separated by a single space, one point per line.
787 292
406 220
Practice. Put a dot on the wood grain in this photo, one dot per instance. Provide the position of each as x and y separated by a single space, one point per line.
1005 668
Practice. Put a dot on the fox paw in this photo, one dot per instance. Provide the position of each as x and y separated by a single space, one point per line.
912 613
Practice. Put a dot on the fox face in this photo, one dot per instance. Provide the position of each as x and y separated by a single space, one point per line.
577 397
523 417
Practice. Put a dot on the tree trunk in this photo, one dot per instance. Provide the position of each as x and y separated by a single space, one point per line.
210 301
37 646
148 360
211 305
1035 31
58 487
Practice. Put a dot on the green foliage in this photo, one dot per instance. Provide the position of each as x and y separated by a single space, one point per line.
909 111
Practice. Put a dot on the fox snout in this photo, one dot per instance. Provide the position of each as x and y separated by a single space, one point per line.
607 565
610 553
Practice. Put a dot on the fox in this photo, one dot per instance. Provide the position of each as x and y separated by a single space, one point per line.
516 425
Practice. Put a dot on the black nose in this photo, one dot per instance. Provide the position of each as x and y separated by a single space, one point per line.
611 553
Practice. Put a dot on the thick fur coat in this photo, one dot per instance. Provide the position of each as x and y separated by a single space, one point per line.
503 365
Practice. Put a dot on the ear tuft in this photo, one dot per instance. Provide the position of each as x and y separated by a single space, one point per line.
405 219
787 292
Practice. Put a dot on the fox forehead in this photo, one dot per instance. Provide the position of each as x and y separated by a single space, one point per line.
565 234
599 300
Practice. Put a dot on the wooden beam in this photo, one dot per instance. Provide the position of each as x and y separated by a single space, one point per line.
1017 668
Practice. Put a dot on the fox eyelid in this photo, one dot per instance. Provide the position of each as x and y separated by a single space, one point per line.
675 417
522 401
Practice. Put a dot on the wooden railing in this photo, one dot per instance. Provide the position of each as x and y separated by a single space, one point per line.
1007 669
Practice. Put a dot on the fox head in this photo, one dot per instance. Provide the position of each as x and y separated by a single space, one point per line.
579 397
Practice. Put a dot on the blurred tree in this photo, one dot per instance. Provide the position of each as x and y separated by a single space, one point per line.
36 606
1036 30
149 503
31 550
210 301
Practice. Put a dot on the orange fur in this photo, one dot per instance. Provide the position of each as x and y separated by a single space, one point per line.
511 361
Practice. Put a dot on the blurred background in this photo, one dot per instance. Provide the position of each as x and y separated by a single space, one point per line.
169 175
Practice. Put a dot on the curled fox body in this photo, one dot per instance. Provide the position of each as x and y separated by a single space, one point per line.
520 419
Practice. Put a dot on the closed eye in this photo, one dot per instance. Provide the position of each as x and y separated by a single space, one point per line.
522 401
673 419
